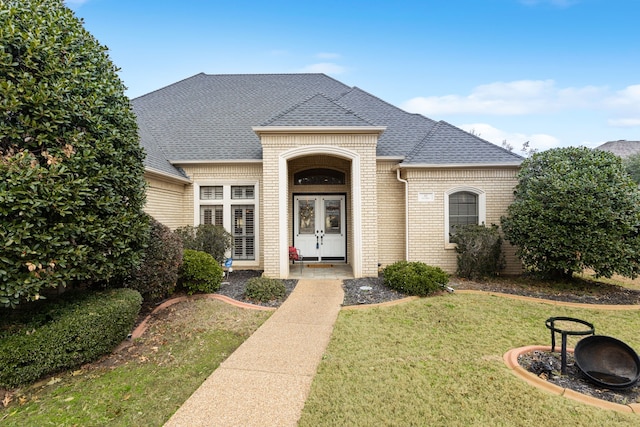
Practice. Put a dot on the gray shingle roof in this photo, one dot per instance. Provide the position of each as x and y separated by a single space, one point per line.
210 117
318 111
446 144
621 148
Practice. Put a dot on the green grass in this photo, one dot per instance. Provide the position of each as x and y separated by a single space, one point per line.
163 369
438 362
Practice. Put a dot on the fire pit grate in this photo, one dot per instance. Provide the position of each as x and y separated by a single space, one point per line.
551 324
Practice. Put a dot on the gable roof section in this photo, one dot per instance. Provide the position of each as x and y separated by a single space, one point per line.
446 144
211 118
318 111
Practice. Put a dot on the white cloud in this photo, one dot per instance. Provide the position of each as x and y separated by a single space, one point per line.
327 55
539 141
628 98
324 67
510 98
624 123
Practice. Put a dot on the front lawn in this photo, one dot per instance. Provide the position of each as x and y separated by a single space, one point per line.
143 384
438 362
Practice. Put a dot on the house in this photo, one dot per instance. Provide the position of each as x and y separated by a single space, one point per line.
621 148
304 160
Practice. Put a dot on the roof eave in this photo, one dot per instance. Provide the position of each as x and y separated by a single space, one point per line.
164 175
460 165
213 161
266 130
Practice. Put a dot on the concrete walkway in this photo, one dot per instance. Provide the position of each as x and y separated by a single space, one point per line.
266 381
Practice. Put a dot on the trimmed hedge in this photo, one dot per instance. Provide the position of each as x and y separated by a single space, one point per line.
71 332
415 278
264 289
200 272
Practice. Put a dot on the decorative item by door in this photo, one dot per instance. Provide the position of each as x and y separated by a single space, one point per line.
319 227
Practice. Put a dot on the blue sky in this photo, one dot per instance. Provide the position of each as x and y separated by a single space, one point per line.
552 72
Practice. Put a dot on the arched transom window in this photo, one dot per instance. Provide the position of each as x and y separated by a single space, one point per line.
319 176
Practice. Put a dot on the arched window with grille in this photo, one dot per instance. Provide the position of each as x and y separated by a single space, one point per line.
463 205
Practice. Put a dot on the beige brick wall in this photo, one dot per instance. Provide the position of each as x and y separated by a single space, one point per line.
426 231
165 201
391 214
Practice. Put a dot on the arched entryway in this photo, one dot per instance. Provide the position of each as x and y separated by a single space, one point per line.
320 193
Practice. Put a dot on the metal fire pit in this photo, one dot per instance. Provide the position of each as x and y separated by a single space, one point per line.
586 329
607 361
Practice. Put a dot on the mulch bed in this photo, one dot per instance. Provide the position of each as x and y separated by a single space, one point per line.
547 366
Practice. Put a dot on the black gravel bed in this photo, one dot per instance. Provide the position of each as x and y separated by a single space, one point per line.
353 292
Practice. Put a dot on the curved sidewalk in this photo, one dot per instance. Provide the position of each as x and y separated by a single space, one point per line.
267 379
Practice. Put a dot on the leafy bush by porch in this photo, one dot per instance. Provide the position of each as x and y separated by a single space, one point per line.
156 276
575 209
71 173
415 278
199 272
479 251
69 333
212 239
264 289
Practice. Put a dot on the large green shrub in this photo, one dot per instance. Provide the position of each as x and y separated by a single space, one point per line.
479 251
156 276
71 172
415 278
575 208
69 333
212 239
199 272
264 289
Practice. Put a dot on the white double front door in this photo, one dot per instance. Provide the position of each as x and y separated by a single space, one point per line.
319 227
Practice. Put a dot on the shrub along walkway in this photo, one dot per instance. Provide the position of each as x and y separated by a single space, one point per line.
267 379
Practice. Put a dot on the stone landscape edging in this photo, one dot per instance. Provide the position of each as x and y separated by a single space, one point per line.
511 360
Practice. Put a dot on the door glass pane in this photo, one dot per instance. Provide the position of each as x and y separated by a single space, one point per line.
307 216
332 217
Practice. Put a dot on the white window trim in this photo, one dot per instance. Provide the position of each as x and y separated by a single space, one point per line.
482 210
226 204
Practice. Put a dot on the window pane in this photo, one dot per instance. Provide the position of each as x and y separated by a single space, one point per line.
332 217
242 192
211 215
463 209
307 216
243 231
211 192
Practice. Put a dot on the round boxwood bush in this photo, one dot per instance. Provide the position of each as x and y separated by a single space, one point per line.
199 272
415 278
264 289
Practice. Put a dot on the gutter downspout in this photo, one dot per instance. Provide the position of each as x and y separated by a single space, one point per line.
406 214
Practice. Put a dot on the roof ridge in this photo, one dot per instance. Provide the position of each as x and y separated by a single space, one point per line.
418 147
387 103
484 141
169 85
